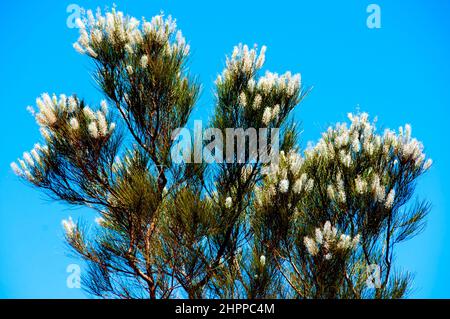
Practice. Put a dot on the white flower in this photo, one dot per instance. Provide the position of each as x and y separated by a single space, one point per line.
91 52
102 125
360 185
344 242
427 164
99 221
346 159
275 111
355 241
298 185
243 99
79 23
262 260
390 199
45 134
90 115
74 124
296 162
69 226
293 84
78 48
356 145
378 189
319 236
130 69
257 102
144 61
93 130
16 169
261 57
47 110
284 186
267 115
331 192
328 256
311 246
228 202
36 155
104 107
28 159
309 185
72 104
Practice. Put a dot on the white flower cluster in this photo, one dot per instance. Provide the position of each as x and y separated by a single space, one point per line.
262 260
69 226
243 60
30 162
284 177
246 61
286 82
127 33
337 191
228 202
328 241
100 221
270 114
98 126
50 107
347 146
53 108
345 143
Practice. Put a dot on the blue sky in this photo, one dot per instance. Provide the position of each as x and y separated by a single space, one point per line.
399 73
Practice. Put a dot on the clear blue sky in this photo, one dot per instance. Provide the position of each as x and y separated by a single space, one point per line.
399 73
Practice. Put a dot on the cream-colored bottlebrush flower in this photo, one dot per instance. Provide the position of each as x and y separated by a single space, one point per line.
93 130
243 99
228 202
390 199
74 124
16 169
102 124
262 260
257 102
69 226
284 186
144 61
311 246
428 164
267 116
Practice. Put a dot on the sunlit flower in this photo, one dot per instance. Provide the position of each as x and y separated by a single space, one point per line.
228 202
69 226
262 260
284 185
311 246
93 130
390 199
267 116
74 124
144 61
257 102
428 164
16 169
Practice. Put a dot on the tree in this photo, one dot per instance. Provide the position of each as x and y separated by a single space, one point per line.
305 225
